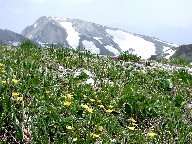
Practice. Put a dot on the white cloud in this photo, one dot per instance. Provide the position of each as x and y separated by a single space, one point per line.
37 1
55 1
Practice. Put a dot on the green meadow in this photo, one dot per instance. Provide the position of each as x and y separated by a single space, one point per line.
57 95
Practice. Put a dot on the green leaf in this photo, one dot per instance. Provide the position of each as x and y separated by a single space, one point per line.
36 82
0 84
128 109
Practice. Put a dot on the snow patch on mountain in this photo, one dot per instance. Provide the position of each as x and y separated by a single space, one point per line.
111 49
169 51
16 43
35 25
89 45
73 36
98 39
125 41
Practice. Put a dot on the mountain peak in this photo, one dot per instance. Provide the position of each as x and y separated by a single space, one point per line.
98 39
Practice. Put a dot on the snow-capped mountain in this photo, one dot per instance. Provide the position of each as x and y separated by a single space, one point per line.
8 37
98 39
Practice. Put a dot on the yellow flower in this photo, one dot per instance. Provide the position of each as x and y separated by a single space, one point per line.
2 70
63 96
15 94
14 80
67 103
47 92
20 98
1 64
100 128
84 96
99 101
84 106
110 106
151 134
108 111
4 82
95 135
131 128
134 121
101 106
79 84
134 124
92 100
90 110
104 92
69 96
69 127
74 139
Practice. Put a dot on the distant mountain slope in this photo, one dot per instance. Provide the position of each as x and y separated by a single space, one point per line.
99 39
8 37
184 52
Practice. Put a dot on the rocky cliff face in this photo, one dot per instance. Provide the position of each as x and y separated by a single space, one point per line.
8 37
184 52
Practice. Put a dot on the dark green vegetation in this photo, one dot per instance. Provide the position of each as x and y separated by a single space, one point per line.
40 104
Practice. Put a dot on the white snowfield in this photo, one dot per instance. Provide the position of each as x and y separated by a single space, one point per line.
73 36
89 45
112 49
125 41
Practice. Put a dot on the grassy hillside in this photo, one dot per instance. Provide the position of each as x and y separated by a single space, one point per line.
46 97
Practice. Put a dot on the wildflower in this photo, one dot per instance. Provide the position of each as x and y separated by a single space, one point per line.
111 83
4 82
104 92
69 96
151 134
14 80
100 128
84 96
1 64
95 135
20 98
84 106
101 106
110 106
90 110
63 96
99 101
69 127
116 58
78 84
47 92
92 100
74 139
2 70
134 124
108 111
134 121
15 94
67 104
131 128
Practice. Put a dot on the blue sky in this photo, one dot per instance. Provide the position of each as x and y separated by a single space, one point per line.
169 20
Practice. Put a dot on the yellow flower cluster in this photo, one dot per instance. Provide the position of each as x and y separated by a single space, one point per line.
90 110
